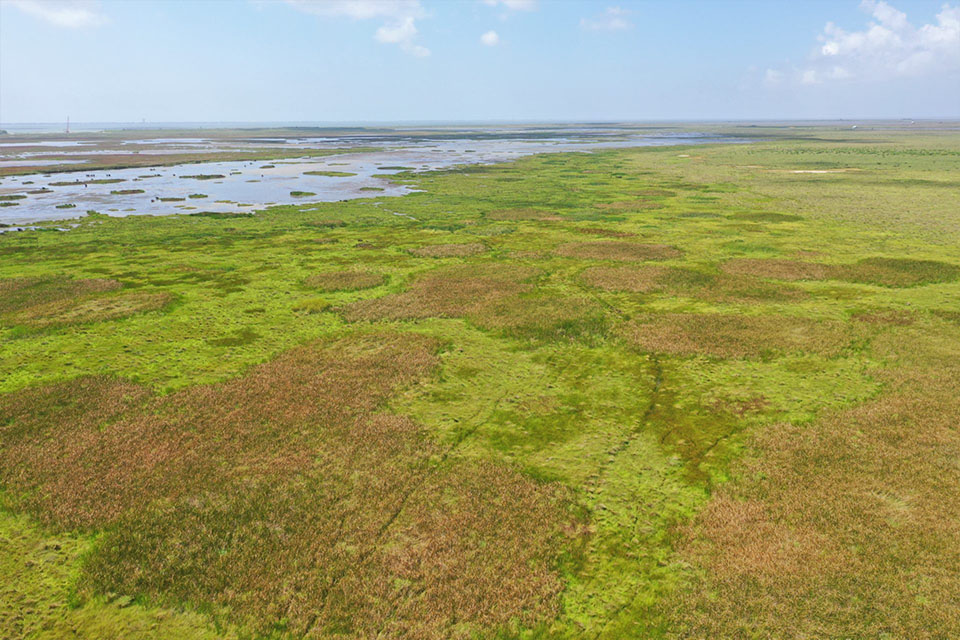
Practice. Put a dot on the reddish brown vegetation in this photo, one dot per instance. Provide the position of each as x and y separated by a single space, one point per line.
521 214
491 297
451 293
622 251
887 272
896 317
776 269
734 336
18 294
630 205
286 495
606 233
51 301
852 522
449 250
92 309
653 192
688 282
344 280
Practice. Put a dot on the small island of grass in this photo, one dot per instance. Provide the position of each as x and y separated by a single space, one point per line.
206 176
329 174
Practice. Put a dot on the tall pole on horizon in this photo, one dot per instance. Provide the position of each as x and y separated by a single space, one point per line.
68 124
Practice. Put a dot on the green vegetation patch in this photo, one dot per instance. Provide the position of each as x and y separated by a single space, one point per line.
329 174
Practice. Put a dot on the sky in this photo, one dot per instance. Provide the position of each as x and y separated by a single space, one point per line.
357 61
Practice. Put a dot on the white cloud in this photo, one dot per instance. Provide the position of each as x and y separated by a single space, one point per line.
888 47
513 5
613 19
773 77
490 38
403 33
72 14
360 9
400 27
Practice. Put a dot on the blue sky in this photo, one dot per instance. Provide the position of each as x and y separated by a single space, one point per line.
476 60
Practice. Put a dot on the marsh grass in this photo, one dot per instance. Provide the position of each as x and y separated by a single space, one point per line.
880 271
816 535
344 280
449 250
620 251
254 484
680 281
735 336
734 428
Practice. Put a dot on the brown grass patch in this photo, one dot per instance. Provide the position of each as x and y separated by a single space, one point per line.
542 318
629 205
286 495
97 309
891 317
896 272
887 272
52 301
451 293
735 336
607 233
688 282
521 214
740 407
634 279
492 297
527 255
449 250
654 193
344 280
17 294
435 296
846 527
776 269
622 251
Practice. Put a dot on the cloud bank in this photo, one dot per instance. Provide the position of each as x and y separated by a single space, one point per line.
889 47
613 19
70 14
